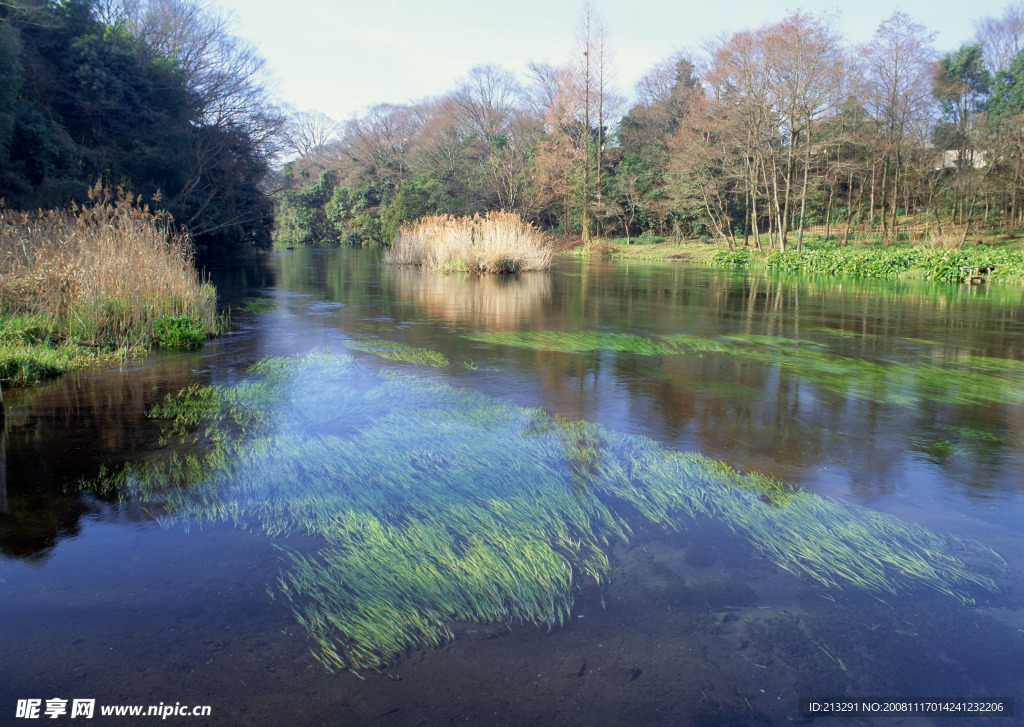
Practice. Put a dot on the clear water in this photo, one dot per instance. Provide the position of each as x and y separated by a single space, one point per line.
905 400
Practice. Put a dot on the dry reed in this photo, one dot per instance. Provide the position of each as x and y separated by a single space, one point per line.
946 241
498 242
103 273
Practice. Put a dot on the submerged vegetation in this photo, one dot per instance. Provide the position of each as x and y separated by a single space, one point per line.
498 242
109 278
430 504
399 352
979 379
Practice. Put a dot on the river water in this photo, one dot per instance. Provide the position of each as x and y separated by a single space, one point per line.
877 556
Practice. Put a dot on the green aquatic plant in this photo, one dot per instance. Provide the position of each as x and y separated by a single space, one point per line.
894 261
399 352
427 504
976 379
731 258
973 433
937 451
257 305
178 332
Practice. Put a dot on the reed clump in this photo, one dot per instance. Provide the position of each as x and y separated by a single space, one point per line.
111 275
498 242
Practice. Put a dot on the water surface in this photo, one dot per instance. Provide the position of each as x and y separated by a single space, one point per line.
893 409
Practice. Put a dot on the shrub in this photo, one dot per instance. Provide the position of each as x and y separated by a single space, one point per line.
731 258
498 242
647 237
599 247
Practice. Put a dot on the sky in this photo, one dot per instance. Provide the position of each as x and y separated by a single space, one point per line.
342 56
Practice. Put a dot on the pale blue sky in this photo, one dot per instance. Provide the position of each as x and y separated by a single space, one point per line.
340 57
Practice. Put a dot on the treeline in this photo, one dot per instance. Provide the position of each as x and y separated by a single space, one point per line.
768 133
156 97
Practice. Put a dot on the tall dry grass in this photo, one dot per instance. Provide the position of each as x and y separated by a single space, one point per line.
101 274
498 242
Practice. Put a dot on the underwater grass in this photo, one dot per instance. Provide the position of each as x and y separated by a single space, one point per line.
976 379
396 351
257 305
431 504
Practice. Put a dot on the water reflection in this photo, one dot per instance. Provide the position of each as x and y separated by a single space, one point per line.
480 302
3 468
61 433
815 374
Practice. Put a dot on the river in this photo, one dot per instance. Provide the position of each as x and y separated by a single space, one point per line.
611 493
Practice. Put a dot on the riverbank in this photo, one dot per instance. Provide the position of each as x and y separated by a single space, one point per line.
979 261
107 281
994 259
638 248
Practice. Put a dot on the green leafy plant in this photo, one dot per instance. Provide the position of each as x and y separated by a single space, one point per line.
178 332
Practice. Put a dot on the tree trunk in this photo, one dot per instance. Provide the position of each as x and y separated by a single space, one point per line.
803 194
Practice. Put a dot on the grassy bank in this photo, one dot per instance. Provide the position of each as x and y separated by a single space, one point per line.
866 259
499 242
108 280
647 247
898 260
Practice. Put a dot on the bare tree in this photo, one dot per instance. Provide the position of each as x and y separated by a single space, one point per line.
543 87
1003 37
379 141
808 75
896 89
487 99
769 89
310 135
237 122
226 74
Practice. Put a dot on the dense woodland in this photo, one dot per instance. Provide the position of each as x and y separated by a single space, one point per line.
753 140
152 96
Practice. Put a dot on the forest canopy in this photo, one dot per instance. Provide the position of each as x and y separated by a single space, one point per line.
156 97
761 136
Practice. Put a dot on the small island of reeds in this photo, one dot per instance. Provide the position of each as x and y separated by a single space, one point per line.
106 279
497 242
